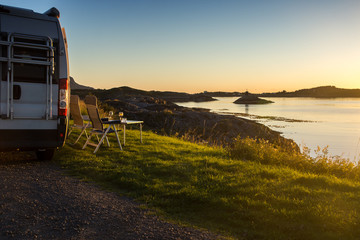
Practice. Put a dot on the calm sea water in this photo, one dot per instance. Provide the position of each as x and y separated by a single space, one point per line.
309 122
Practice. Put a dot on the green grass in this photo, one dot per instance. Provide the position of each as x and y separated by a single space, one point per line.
209 188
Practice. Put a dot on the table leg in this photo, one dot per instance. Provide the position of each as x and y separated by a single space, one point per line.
124 133
140 132
117 138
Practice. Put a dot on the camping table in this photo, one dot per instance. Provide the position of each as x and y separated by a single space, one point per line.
124 124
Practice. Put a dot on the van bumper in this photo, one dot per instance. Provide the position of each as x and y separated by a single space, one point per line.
30 139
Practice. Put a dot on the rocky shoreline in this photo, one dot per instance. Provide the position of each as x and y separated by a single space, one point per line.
199 125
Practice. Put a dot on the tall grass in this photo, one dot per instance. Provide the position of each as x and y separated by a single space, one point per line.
266 153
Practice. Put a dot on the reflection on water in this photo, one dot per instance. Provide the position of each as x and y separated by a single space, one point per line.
246 109
309 122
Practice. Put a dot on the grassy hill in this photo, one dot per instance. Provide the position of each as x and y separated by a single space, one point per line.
253 190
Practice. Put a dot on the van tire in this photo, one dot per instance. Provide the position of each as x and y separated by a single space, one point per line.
45 154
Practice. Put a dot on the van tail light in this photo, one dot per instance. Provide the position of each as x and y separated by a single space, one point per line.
63 97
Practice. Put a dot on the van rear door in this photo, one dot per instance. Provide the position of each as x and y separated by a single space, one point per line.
27 79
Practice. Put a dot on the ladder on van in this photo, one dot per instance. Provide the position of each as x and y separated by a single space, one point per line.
16 41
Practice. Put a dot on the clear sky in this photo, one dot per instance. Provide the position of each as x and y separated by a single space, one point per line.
212 45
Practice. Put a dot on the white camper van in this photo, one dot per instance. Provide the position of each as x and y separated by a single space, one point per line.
34 85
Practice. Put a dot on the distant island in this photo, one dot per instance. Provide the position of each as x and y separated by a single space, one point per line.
249 98
318 92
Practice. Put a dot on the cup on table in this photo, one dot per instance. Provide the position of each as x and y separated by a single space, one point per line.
121 114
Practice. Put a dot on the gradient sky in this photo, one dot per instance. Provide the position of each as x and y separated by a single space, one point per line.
198 45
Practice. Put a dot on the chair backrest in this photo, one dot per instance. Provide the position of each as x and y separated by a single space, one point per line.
92 108
75 110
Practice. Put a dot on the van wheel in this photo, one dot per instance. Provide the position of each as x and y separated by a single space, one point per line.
45 154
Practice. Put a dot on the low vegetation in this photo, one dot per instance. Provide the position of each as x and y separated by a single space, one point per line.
104 108
267 153
250 191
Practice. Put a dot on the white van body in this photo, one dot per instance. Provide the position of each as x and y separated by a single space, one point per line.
34 85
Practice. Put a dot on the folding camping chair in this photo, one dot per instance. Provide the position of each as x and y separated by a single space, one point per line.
98 124
77 117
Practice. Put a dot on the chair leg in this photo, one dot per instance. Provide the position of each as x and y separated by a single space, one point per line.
70 132
87 140
102 139
86 126
83 130
98 139
86 133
